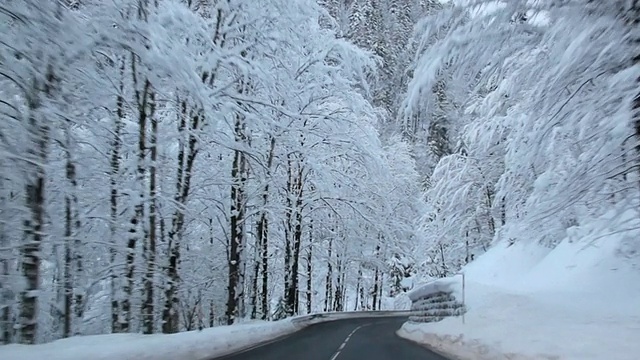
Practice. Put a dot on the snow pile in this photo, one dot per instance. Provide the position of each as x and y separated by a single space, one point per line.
440 285
191 345
578 301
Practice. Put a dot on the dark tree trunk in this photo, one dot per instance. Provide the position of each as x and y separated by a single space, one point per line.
294 298
33 229
234 291
73 269
380 291
328 295
186 160
212 314
337 298
309 277
264 261
263 237
116 147
67 284
5 311
294 224
633 21
254 282
503 211
38 137
376 276
137 234
150 254
5 318
288 232
358 288
375 288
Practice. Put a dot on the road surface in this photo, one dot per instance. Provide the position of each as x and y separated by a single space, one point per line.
351 339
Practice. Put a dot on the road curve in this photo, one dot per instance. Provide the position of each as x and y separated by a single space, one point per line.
349 339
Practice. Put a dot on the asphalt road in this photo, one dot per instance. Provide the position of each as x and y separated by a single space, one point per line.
352 339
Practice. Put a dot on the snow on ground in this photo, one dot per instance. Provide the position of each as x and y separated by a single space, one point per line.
191 345
579 301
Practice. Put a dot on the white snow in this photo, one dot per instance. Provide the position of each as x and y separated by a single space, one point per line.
440 285
578 301
191 345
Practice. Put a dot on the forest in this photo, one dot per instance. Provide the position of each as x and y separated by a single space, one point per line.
169 165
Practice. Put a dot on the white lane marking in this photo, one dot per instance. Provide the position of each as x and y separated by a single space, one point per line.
346 340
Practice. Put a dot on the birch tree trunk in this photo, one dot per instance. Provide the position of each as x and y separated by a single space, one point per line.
137 233
237 218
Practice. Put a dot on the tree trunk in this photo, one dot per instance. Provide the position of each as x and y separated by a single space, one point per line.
328 280
212 314
288 233
177 220
186 160
294 224
380 291
68 239
116 147
375 288
337 298
66 277
263 236
263 231
309 278
254 281
633 20
358 290
5 310
137 234
237 218
364 301
38 133
294 298
74 299
5 317
148 319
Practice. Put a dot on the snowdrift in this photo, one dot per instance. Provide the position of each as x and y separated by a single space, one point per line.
191 345
578 301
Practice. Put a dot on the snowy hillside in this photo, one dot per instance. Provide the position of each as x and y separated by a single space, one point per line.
578 301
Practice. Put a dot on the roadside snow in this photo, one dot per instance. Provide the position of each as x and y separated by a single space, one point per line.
191 345
578 301
440 285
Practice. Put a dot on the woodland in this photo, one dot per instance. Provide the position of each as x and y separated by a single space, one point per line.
169 165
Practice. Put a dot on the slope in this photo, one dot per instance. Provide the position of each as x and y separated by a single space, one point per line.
577 301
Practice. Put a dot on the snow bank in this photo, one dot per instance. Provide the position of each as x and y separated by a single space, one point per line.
578 301
191 345
441 285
